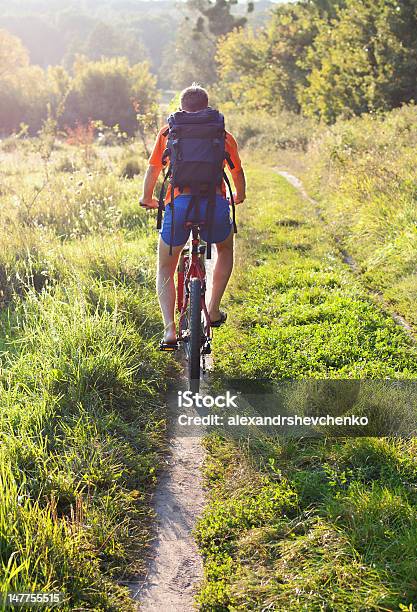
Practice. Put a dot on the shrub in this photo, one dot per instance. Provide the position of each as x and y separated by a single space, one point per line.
104 91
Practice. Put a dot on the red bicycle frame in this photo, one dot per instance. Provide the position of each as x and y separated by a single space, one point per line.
192 268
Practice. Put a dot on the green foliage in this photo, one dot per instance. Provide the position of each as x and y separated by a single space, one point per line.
284 131
216 17
262 69
110 91
106 91
44 41
151 29
76 509
80 440
107 41
193 59
345 535
346 544
23 88
196 40
55 34
297 311
13 54
327 59
365 61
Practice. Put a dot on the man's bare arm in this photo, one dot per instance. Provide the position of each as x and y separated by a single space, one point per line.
151 176
240 184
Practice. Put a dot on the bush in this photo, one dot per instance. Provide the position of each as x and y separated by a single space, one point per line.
105 90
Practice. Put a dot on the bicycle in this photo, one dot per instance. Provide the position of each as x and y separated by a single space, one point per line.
194 326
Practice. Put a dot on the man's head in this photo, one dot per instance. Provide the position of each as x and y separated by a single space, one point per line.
193 99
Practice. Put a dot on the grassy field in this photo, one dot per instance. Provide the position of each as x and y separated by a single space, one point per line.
297 524
363 172
81 383
291 524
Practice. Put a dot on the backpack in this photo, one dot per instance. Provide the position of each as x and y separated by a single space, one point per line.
196 152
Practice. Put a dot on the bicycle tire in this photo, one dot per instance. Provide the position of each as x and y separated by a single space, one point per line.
195 335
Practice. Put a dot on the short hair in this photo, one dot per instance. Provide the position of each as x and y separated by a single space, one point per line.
194 98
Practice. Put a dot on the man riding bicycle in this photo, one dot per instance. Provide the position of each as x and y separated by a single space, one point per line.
172 240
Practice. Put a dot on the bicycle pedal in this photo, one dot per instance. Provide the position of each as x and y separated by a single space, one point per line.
168 348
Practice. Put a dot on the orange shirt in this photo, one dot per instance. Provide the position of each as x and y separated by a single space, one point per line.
160 146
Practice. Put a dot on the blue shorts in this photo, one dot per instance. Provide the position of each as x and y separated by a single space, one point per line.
220 228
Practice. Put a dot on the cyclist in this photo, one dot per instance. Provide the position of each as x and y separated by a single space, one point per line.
192 99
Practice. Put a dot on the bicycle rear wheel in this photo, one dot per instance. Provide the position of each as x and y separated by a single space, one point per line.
195 335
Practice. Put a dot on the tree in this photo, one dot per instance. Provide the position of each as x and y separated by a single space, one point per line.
324 8
216 16
366 61
23 88
13 54
195 48
106 41
108 90
262 69
157 33
44 42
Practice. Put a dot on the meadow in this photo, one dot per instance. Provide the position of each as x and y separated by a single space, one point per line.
290 524
325 91
293 523
363 171
81 383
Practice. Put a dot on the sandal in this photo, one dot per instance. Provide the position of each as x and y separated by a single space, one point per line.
223 317
168 346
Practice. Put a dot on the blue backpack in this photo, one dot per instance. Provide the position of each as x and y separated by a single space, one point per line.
196 153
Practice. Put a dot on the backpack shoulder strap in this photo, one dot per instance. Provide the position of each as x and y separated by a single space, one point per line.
232 201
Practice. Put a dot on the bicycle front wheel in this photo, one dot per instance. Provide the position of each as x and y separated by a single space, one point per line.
195 335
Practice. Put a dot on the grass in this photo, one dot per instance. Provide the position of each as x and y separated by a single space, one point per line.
325 524
364 173
297 310
297 524
82 416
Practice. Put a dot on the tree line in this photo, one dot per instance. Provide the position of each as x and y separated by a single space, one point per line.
323 58
110 90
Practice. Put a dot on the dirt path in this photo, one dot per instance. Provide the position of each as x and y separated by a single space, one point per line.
176 567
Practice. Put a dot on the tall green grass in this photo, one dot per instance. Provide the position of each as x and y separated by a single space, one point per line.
364 172
82 414
297 310
301 524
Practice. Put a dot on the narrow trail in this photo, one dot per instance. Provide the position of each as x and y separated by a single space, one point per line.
347 258
175 567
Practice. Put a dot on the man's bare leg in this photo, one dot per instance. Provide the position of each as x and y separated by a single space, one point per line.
165 287
221 274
